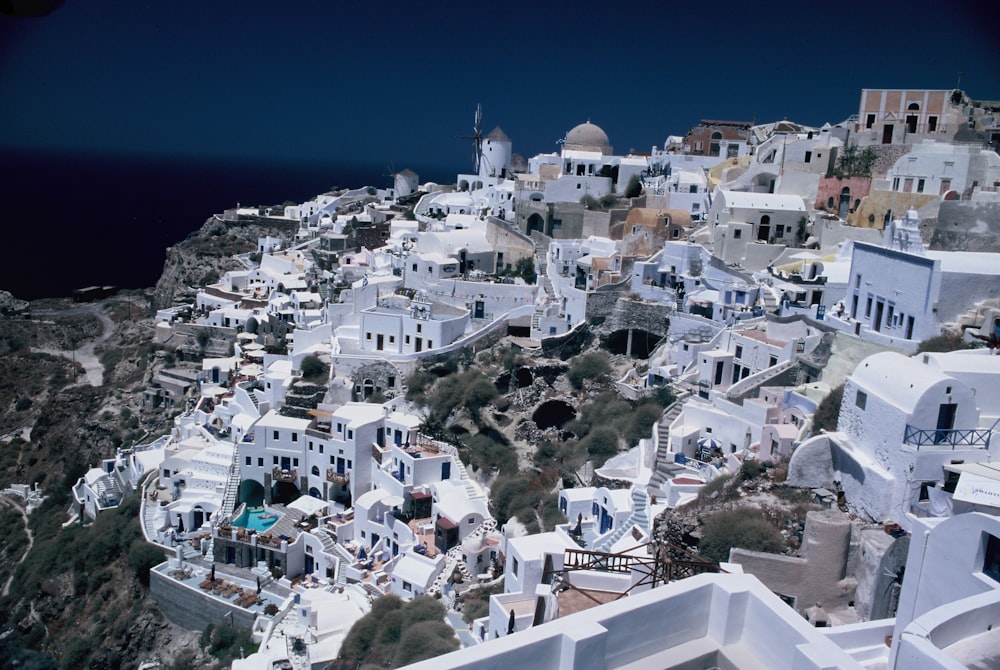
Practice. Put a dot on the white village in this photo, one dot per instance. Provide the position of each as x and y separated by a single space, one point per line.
745 275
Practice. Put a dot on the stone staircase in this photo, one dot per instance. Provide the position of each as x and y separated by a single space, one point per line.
639 517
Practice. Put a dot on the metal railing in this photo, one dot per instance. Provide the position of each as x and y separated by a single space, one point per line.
947 438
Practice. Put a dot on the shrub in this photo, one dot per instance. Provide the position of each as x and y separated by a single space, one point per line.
828 411
314 369
634 187
143 556
588 366
746 528
423 640
601 444
942 343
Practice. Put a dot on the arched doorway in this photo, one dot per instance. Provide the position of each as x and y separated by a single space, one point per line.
764 229
284 492
845 202
197 517
536 222
250 492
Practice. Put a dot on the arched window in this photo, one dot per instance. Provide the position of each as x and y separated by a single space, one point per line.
713 147
315 471
913 107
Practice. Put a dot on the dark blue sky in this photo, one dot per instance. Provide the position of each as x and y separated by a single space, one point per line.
394 82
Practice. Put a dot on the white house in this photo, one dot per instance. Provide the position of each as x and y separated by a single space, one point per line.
903 423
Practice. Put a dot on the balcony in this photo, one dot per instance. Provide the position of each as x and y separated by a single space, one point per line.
974 438
279 475
342 478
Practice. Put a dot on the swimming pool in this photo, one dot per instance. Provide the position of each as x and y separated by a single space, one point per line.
256 519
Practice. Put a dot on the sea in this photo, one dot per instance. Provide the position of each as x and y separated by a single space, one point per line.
73 220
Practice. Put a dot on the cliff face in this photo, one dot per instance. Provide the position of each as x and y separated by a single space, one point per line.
203 257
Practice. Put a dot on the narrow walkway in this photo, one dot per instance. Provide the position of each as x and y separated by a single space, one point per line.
86 354
31 541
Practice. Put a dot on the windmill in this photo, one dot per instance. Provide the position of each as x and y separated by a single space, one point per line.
477 139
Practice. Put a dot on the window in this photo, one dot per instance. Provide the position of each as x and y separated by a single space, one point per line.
869 121
368 336
931 124
513 566
779 230
276 435
295 437
809 157
310 445
737 234
772 361
275 460
430 344
420 327
350 434
249 460
321 448
260 462
991 563
295 462
920 186
414 267
739 351
407 587
868 307
392 339
861 399
315 471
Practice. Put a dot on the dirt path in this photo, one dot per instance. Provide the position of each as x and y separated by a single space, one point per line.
31 541
86 354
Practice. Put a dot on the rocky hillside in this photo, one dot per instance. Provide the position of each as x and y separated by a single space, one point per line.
71 383
208 253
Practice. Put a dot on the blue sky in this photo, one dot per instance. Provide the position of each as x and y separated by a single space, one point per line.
395 83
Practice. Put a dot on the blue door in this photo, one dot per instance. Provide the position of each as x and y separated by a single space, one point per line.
446 470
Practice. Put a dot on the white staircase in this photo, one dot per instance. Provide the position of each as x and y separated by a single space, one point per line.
663 460
639 517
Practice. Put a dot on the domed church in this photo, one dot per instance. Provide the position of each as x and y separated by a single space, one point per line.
588 137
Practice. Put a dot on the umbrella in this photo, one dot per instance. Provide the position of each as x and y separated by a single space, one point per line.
805 256
253 346
246 336
255 354
211 391
362 554
251 370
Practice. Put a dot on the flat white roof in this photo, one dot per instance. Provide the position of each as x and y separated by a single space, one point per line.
747 200
275 420
416 569
967 262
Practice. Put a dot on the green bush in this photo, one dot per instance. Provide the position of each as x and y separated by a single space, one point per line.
314 369
143 556
634 187
588 366
828 411
746 528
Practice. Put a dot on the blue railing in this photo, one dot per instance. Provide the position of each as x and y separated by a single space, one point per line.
951 438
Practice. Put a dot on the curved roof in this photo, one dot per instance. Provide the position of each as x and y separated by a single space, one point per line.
588 135
899 379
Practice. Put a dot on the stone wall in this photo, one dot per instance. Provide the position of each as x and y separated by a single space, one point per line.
967 226
650 317
192 609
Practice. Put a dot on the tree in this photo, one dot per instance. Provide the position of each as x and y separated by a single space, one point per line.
634 187
525 269
314 369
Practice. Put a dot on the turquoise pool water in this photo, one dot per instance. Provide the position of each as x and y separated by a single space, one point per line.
256 519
